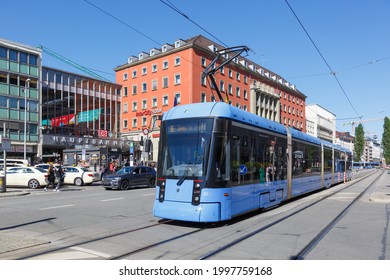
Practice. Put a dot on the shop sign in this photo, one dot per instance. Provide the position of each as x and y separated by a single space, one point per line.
148 112
68 140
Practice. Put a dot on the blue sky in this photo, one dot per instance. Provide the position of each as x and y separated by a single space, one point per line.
352 35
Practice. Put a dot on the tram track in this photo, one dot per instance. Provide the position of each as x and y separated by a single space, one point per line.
311 245
153 245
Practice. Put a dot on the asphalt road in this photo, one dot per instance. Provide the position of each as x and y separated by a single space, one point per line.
93 223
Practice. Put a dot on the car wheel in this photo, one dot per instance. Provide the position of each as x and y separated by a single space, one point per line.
125 185
152 183
78 182
33 184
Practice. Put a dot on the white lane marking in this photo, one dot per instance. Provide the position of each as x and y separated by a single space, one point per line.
54 207
92 252
112 199
149 194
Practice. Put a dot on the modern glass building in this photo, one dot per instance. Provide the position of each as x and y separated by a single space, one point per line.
80 114
20 68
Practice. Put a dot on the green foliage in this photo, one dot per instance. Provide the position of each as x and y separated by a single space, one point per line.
386 140
359 142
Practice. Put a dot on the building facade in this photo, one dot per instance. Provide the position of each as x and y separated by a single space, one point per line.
20 99
80 115
155 81
322 123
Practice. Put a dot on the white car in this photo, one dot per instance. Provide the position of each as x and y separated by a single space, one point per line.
26 177
79 175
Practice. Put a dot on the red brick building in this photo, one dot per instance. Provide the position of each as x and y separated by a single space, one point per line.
153 80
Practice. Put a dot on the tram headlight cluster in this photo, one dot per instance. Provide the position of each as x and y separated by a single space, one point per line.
161 184
196 191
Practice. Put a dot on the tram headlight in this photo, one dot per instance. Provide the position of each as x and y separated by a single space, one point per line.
196 192
161 184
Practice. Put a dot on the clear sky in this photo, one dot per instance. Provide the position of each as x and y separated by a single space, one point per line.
353 37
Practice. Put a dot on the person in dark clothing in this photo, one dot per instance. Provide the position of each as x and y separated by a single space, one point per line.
59 175
51 177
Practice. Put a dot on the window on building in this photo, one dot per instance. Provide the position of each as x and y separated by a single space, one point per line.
203 62
165 64
125 93
238 76
165 100
230 73
3 52
154 102
134 74
177 60
134 89
212 98
135 106
154 85
177 79
144 104
33 59
125 107
245 80
124 76
222 85
178 97
154 68
144 87
230 89
23 57
245 94
222 70
144 121
144 71
238 92
165 82
125 124
203 80
203 97
13 55
134 124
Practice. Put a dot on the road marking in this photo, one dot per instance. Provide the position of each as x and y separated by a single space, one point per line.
92 252
112 199
149 194
54 207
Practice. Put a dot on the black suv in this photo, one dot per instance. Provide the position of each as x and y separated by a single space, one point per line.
129 177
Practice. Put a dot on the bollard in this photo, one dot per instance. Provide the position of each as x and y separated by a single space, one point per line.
3 185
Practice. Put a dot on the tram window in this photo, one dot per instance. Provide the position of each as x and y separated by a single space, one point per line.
257 158
306 160
327 161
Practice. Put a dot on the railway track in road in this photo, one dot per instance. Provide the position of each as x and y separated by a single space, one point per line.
312 244
149 246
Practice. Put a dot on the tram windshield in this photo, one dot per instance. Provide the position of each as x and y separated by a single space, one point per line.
184 148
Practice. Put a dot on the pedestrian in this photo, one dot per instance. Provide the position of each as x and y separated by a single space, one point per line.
59 174
51 177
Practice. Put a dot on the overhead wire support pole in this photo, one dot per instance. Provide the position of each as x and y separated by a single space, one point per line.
211 70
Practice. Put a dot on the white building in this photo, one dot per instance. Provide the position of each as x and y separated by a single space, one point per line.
320 122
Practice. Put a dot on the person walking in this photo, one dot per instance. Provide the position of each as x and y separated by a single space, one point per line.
59 175
51 177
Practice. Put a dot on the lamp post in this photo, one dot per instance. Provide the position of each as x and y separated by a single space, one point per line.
25 116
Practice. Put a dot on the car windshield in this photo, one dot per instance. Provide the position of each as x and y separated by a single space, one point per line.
41 169
85 169
125 170
185 145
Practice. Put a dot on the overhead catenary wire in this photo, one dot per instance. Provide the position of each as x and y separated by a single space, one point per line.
173 7
323 58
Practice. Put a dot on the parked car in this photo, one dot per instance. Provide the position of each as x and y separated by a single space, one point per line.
31 177
129 177
80 175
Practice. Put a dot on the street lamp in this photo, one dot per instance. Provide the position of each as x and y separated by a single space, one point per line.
25 116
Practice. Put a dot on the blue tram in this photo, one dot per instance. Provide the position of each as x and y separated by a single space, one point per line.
217 162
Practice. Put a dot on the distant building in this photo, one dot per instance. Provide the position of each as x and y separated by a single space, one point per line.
323 122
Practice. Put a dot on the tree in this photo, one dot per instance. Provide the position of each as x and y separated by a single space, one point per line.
386 140
359 142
